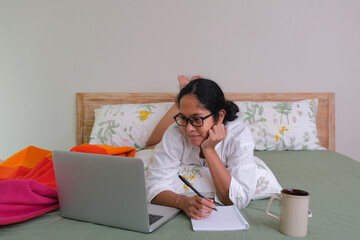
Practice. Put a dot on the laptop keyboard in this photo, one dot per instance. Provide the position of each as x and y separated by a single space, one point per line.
153 218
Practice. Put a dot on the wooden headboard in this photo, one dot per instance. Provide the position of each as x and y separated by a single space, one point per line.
86 103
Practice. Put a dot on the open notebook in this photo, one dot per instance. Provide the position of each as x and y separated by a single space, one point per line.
226 218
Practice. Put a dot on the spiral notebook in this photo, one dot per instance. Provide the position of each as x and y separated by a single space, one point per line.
227 218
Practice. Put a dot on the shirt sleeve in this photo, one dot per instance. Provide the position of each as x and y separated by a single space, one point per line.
166 160
241 166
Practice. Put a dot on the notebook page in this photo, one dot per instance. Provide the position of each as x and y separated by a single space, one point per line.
227 218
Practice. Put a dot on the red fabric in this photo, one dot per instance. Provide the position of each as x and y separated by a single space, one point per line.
23 162
105 149
27 181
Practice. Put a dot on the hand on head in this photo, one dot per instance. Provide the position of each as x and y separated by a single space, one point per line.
216 134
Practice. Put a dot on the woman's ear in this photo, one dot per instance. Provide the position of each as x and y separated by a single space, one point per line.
222 114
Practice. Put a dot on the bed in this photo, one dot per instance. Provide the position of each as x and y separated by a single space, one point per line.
332 180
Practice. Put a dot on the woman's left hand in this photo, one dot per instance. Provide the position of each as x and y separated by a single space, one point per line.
216 134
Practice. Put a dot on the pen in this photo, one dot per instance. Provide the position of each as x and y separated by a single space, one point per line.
196 191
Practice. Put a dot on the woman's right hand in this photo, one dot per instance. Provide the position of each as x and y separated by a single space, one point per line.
196 207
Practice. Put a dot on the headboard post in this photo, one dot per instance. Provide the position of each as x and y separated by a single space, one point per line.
79 118
331 134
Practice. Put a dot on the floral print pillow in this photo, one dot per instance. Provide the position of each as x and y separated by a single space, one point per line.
127 124
200 177
282 125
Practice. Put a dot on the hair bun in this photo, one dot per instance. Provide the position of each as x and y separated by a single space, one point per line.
231 110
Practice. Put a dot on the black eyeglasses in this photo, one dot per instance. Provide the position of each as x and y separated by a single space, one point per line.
182 121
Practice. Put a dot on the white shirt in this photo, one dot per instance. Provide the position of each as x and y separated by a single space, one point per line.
235 152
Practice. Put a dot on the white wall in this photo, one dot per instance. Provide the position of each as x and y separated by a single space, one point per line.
49 50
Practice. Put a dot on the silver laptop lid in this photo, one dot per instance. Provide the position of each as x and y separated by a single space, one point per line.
108 190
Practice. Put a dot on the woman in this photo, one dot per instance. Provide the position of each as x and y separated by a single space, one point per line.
204 133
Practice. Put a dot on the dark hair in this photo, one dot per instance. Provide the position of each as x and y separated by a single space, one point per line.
211 97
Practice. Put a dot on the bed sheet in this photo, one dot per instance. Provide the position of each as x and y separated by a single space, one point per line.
332 180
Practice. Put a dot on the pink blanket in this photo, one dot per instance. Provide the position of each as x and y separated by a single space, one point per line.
24 199
27 181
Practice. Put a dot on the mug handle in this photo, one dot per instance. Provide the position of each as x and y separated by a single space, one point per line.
268 206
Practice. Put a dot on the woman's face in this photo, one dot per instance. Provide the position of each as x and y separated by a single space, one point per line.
189 107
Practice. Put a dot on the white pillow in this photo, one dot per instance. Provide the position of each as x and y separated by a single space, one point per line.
146 156
282 125
127 124
266 184
200 177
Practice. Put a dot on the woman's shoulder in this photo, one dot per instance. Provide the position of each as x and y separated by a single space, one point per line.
173 129
236 125
173 143
238 129
173 133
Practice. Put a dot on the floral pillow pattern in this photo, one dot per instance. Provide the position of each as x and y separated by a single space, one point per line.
274 125
127 124
267 184
282 125
200 177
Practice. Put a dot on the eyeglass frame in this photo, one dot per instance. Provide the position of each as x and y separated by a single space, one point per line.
190 120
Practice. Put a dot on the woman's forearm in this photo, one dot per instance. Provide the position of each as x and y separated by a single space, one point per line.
220 175
167 198
161 127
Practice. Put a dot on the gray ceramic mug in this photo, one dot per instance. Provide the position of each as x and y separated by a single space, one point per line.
294 211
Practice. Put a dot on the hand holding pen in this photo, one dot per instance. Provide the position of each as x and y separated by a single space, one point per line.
194 189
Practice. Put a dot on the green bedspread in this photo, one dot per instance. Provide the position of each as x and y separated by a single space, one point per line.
332 179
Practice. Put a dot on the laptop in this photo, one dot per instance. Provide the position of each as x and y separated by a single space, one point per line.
107 190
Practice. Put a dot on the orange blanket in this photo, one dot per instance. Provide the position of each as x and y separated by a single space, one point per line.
27 181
